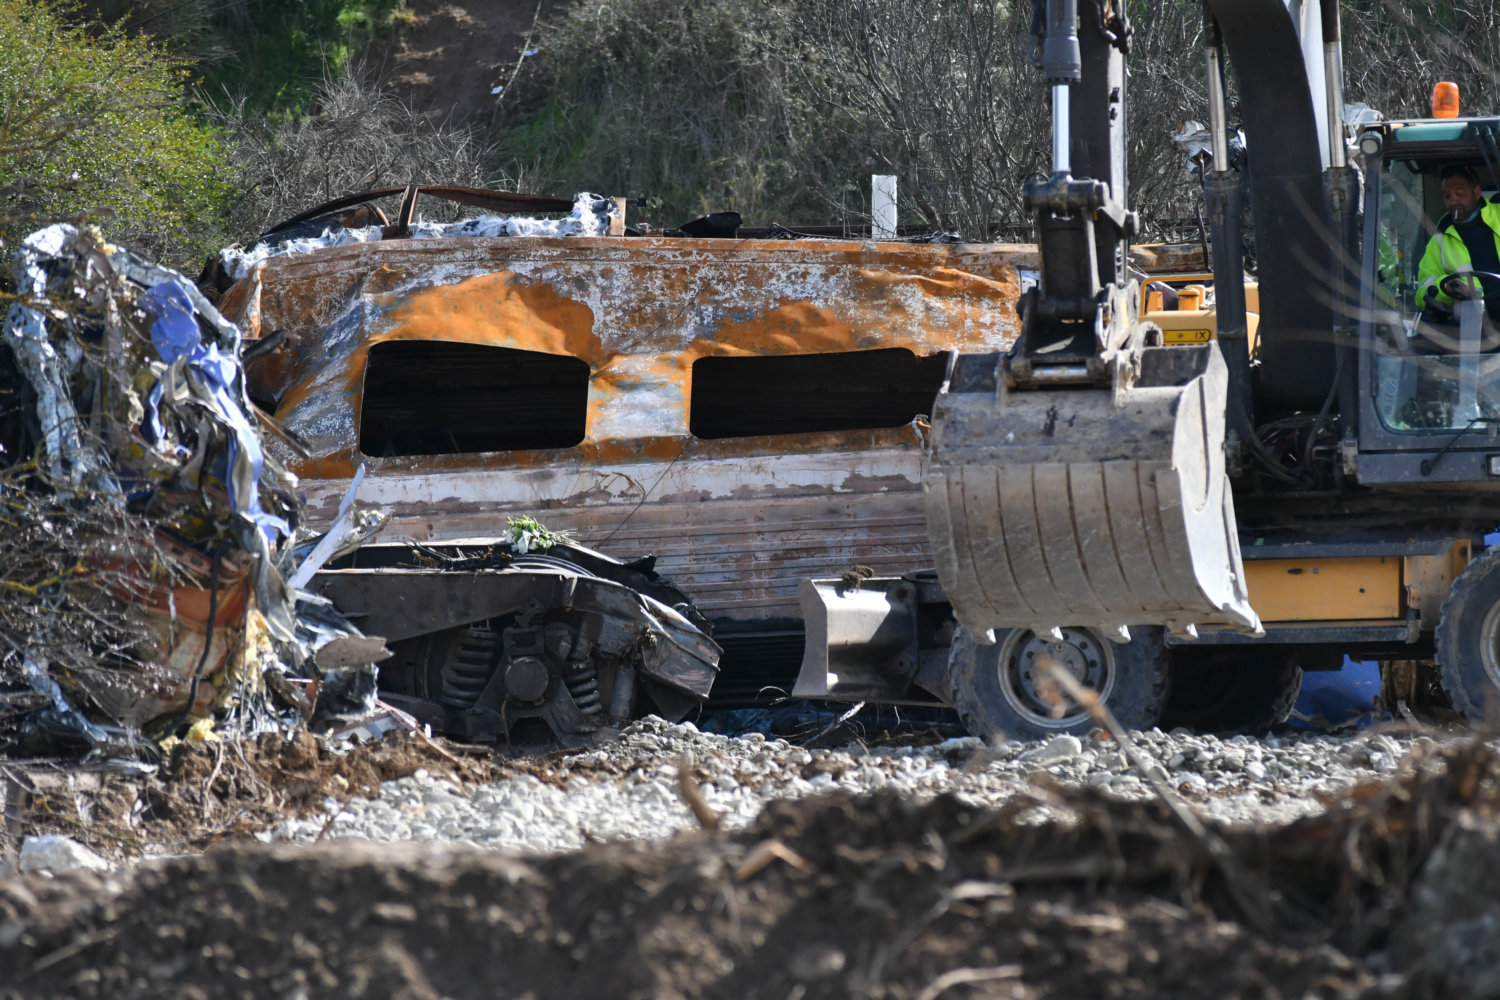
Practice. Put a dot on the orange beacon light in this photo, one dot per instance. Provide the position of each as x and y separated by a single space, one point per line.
1445 100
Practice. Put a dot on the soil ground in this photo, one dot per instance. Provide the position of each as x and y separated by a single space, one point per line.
830 897
447 57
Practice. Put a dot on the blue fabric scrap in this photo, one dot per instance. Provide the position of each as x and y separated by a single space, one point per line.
176 335
175 331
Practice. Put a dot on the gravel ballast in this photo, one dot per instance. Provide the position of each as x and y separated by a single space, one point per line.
630 789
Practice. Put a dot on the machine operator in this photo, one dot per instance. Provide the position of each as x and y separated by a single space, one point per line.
1467 239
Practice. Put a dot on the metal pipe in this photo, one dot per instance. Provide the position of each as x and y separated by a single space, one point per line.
1333 84
1333 73
1341 185
1062 64
1061 131
1218 125
1223 197
622 700
1062 61
1061 375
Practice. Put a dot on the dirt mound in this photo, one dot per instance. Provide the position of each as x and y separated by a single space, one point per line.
891 898
832 897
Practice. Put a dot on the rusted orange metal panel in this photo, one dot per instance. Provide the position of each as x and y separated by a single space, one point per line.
171 595
736 521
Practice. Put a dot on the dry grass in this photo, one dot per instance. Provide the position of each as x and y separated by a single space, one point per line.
358 137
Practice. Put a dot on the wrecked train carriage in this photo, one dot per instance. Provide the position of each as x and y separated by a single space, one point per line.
745 410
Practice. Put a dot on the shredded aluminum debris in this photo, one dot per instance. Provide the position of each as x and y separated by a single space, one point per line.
590 217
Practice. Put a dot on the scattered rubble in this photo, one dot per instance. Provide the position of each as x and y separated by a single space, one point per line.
55 854
629 789
1052 889
402 787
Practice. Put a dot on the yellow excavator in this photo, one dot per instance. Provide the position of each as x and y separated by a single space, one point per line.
1187 508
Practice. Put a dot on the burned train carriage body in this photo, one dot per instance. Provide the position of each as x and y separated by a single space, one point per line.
743 410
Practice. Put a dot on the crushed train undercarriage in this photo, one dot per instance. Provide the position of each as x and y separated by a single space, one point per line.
486 641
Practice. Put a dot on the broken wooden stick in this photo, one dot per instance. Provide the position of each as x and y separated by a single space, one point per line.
687 787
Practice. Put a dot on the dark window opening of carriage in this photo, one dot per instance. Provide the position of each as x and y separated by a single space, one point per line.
801 393
439 398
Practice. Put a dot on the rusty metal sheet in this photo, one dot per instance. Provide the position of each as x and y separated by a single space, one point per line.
736 521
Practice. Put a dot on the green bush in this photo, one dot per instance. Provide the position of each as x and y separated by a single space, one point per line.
276 53
266 55
102 121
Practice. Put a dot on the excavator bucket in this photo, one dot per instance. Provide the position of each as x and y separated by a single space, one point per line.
1087 506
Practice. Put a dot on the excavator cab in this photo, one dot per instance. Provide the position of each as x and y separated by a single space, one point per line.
1150 510
1431 363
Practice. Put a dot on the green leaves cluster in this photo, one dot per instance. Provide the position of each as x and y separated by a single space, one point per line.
99 107
276 53
527 534
101 121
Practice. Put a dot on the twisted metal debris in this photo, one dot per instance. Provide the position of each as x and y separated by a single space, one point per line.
147 537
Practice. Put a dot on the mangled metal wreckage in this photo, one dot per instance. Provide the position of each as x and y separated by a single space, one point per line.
158 553
131 458
749 411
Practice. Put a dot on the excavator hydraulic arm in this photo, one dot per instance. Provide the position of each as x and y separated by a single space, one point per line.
1079 479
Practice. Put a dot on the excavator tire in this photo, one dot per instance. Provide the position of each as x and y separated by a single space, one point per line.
1000 693
1468 639
1228 691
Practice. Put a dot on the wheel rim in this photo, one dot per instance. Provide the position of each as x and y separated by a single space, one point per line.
1489 644
1085 654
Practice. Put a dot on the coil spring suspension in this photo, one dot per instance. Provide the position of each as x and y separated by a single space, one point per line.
469 664
582 679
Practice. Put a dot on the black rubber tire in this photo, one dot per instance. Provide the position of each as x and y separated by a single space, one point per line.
1468 635
1135 698
1228 690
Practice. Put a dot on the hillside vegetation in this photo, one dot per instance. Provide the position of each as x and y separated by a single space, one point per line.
189 124
783 108
102 123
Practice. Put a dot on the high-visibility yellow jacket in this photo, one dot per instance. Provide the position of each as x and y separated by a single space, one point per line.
1446 254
